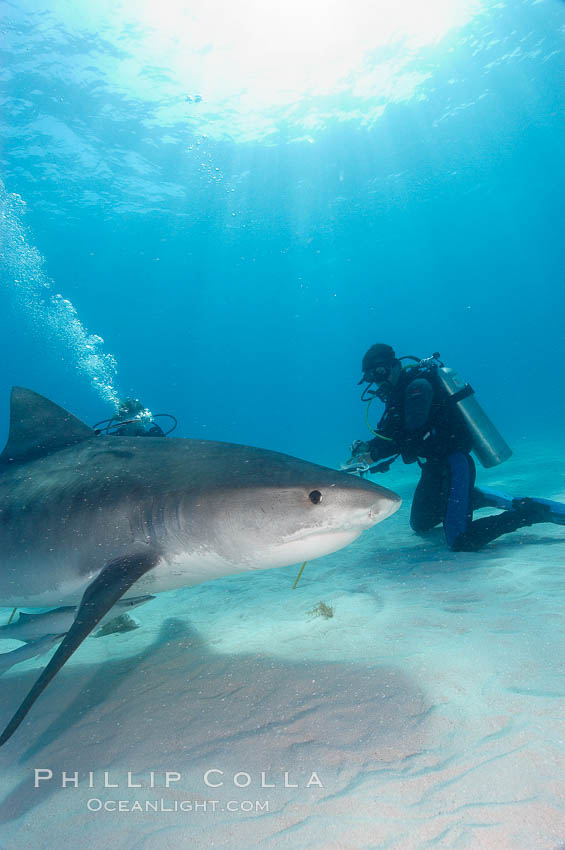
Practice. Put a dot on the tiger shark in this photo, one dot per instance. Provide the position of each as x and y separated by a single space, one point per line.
87 519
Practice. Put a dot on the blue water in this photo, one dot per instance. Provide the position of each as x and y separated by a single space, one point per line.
238 283
218 208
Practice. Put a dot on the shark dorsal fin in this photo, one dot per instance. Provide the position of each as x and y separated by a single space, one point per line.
39 426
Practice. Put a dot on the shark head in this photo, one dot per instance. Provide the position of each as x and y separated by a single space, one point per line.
310 511
265 527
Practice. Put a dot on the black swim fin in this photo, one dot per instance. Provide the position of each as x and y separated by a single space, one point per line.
549 510
114 580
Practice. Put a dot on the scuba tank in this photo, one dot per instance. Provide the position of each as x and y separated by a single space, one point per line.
488 444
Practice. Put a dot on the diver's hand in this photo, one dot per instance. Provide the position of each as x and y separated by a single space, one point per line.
360 459
358 447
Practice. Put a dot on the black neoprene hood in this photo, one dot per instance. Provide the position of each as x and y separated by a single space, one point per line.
379 354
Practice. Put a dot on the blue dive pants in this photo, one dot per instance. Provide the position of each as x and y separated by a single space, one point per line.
445 493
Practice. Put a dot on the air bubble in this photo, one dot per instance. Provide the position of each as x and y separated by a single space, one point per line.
54 315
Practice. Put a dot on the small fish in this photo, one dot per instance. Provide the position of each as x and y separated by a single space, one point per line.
30 627
28 650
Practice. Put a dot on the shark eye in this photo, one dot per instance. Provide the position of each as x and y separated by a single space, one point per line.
315 497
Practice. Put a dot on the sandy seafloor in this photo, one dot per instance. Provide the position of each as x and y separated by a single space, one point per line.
431 706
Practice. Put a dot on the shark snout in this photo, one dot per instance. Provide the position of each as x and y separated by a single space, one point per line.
384 504
368 505
384 507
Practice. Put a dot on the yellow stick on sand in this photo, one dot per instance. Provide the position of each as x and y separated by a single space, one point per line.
11 616
300 571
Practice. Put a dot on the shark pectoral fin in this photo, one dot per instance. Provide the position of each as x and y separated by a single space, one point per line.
114 580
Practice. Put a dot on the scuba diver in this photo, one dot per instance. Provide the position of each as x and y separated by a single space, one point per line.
133 420
432 418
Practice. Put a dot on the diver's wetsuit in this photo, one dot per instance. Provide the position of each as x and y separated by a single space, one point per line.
421 424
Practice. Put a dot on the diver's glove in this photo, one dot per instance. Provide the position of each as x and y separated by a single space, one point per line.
360 459
359 447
